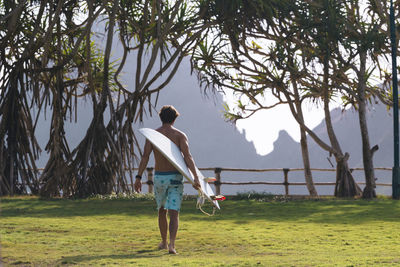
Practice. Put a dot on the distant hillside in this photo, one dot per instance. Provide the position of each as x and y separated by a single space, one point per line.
346 126
213 142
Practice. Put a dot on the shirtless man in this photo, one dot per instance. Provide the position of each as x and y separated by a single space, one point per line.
168 182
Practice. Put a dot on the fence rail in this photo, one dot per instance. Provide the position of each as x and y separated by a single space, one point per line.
218 183
285 183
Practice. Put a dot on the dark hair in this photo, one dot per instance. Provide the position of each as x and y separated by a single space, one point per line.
168 114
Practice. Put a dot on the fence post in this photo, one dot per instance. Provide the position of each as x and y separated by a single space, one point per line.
286 180
217 183
150 179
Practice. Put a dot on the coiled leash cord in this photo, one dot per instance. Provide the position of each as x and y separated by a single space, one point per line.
200 202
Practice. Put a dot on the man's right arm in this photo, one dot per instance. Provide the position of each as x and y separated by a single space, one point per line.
184 146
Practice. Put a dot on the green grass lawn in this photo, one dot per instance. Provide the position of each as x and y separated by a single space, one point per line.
121 232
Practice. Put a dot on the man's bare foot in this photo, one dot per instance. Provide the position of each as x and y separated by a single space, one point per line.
163 245
171 249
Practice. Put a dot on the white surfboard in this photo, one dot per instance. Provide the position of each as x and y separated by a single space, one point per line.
173 154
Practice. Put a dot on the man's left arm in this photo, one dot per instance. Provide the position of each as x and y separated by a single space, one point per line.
142 165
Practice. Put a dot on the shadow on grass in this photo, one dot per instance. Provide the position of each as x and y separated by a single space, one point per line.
239 211
34 207
136 255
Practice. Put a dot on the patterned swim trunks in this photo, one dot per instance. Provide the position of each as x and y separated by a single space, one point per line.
168 190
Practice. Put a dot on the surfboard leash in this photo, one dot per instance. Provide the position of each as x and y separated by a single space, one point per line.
200 203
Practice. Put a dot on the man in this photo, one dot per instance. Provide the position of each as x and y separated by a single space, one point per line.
168 182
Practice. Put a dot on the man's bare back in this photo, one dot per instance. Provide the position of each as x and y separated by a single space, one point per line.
176 136
161 163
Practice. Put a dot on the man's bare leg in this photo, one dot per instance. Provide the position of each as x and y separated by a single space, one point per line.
163 225
173 229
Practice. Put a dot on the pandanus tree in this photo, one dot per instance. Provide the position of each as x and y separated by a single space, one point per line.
363 55
160 33
294 51
247 52
65 83
356 69
42 68
322 24
49 59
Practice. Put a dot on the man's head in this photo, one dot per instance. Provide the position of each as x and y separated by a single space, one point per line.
168 114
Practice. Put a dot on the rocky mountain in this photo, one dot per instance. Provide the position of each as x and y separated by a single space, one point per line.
216 143
213 142
346 126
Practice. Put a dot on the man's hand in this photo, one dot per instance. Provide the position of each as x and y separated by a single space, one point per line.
138 185
196 184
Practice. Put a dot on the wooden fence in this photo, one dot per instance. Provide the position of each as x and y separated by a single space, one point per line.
284 182
285 175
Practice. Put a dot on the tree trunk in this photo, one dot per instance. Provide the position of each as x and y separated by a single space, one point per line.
93 174
54 174
304 146
18 146
12 138
345 184
306 163
369 190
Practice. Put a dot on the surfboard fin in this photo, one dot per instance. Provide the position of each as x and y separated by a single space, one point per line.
219 198
209 179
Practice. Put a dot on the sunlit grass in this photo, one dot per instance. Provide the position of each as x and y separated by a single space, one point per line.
277 232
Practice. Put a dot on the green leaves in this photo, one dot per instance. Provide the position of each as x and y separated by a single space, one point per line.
47 53
229 115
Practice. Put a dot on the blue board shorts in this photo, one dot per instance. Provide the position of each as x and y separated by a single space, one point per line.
168 190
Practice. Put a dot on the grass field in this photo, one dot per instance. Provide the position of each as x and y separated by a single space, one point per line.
268 232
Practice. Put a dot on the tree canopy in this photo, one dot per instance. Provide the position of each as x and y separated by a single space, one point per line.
288 51
49 59
298 51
